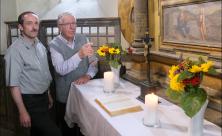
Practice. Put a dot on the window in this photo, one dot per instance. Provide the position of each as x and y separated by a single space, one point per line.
98 30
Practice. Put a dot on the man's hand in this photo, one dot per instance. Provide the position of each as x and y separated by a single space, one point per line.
25 119
82 80
50 100
86 50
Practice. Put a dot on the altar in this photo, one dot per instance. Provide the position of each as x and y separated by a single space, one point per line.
94 121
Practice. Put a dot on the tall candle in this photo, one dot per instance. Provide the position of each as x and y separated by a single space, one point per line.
151 102
108 81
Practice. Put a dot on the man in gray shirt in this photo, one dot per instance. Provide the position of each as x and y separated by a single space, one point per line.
28 77
71 56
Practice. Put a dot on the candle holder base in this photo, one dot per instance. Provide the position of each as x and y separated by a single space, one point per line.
157 125
147 87
108 92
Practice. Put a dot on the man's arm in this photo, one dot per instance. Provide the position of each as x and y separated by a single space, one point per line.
92 70
62 66
24 117
13 68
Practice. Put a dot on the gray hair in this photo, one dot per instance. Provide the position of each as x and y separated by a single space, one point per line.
60 17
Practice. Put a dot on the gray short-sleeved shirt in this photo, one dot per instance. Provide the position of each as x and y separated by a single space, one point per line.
27 66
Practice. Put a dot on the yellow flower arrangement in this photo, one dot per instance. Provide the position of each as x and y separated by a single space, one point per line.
184 87
112 53
177 86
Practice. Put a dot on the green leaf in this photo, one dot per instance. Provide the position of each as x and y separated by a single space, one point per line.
196 62
201 60
193 100
174 95
212 71
114 63
185 75
115 45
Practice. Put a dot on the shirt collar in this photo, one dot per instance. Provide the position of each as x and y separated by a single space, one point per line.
28 44
65 41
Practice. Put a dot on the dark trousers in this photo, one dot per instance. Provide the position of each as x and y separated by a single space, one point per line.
41 122
60 113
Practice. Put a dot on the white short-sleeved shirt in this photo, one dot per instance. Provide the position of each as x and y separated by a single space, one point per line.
27 66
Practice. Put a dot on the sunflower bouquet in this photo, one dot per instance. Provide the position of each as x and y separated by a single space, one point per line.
184 87
112 53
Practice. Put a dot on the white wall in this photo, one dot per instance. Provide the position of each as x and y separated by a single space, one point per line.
109 7
40 7
84 9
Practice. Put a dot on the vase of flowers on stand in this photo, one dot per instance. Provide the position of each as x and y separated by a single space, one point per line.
184 88
112 53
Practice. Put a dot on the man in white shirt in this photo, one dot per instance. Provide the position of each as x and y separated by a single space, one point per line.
70 53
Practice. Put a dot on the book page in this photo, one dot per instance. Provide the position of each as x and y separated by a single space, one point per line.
118 104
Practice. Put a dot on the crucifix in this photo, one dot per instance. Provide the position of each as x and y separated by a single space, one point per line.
147 86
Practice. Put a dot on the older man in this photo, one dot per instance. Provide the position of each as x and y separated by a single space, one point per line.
70 53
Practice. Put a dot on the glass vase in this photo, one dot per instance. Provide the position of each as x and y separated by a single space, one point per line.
196 122
116 72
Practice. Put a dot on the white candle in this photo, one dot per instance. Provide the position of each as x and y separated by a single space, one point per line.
108 81
151 102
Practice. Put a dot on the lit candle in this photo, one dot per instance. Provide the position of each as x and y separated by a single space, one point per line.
151 102
108 81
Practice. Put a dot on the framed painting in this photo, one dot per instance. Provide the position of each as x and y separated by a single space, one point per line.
192 23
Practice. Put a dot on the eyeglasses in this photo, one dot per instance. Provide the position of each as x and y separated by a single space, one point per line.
68 24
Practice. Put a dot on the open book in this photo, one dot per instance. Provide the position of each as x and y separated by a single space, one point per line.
118 104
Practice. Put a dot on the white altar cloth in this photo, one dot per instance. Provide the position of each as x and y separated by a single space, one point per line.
94 121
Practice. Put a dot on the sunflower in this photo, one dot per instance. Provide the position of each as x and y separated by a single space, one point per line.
172 71
175 85
195 69
205 66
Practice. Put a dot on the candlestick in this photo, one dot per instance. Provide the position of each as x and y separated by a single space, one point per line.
108 82
150 118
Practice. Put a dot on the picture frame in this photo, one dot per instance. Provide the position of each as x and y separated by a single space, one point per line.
191 24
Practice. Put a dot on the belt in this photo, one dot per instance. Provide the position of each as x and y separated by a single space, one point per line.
35 95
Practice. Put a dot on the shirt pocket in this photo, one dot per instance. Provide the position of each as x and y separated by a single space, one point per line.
31 62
